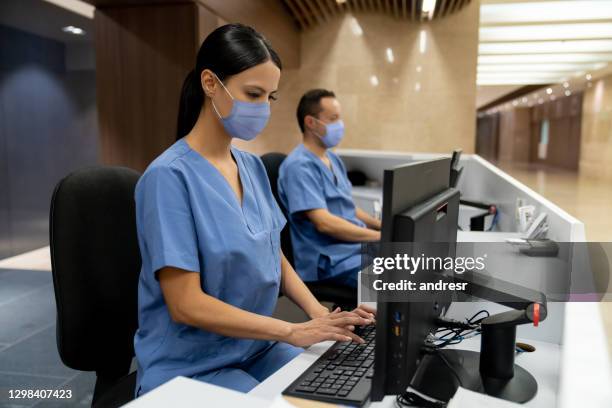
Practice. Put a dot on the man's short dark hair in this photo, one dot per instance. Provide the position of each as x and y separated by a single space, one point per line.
310 104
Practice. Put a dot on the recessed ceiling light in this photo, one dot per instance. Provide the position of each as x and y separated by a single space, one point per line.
540 11
524 100
543 32
73 30
567 58
588 77
428 7
549 91
568 92
547 47
566 84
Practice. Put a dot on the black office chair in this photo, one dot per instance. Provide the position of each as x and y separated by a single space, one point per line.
96 262
343 296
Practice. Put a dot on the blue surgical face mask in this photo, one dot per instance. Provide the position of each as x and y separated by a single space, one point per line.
246 119
334 132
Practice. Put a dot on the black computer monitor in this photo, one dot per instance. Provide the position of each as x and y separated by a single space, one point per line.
418 206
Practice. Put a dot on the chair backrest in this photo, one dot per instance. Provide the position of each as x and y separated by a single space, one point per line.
272 162
95 263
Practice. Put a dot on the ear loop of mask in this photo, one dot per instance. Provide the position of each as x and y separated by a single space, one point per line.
324 125
226 90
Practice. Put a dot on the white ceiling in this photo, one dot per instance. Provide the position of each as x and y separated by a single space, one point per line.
541 42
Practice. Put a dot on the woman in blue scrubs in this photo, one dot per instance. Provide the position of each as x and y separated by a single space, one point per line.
209 235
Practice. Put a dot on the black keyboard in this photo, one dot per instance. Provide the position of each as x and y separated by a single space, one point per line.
343 375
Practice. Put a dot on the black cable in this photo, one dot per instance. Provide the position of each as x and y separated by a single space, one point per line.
472 325
450 367
411 399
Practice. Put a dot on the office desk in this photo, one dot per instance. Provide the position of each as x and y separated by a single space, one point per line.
544 364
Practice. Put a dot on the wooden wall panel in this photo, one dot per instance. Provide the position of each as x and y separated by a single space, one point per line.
143 54
268 17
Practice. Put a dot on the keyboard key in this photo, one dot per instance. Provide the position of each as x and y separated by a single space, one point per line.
327 391
306 389
343 393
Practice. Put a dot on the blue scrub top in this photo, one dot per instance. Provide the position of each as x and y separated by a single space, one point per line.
189 217
306 183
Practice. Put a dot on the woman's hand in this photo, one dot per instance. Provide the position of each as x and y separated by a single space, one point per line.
366 312
336 326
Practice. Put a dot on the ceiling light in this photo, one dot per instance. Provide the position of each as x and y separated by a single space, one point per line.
541 32
73 30
545 58
588 77
419 68
568 92
374 80
549 90
566 84
540 11
563 68
512 81
524 100
514 103
390 56
428 7
540 101
552 97
417 86
546 47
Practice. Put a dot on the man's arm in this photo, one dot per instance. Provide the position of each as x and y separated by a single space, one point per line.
367 219
339 228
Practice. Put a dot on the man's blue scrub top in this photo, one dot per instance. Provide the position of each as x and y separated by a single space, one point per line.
306 183
189 217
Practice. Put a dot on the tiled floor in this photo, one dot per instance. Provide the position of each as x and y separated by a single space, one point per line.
28 352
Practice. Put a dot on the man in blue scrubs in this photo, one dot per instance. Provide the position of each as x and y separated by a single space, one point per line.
326 226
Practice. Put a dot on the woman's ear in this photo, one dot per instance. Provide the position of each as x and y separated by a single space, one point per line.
209 82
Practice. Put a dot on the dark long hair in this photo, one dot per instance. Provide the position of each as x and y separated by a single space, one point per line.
228 50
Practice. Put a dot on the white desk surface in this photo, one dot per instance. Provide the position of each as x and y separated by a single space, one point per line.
582 364
543 364
187 393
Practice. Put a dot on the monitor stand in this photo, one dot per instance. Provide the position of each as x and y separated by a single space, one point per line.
435 378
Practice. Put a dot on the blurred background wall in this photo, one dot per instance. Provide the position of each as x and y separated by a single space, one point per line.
393 79
48 127
596 146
